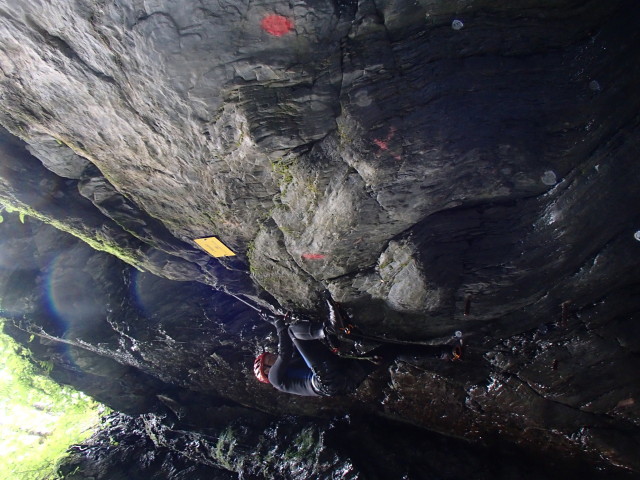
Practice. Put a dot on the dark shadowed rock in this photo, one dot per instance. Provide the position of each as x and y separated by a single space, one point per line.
434 166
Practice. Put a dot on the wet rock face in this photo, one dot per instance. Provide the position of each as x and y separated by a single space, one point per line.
151 446
433 166
177 357
124 449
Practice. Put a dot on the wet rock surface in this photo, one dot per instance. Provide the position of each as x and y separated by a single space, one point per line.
433 166
154 446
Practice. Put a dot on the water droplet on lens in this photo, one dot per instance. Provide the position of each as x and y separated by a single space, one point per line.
549 178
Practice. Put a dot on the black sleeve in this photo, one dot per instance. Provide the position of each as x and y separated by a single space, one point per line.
285 345
290 374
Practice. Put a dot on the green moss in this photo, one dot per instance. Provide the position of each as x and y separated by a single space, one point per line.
103 245
385 264
266 277
81 152
41 419
241 139
282 167
312 187
98 242
302 446
224 449
289 232
306 441
251 249
343 135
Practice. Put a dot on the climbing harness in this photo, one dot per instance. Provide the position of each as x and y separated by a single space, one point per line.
346 339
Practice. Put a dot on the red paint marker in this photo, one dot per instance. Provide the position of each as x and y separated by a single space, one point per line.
381 145
276 25
313 256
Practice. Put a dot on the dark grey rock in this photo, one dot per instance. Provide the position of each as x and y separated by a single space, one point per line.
431 179
57 157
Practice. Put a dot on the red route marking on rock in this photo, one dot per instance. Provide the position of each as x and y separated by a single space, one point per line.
276 25
313 256
383 145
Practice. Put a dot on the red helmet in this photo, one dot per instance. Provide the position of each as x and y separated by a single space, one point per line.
258 367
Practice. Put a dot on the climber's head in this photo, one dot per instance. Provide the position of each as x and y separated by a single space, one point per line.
262 365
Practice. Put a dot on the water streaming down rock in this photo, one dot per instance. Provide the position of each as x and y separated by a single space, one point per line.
432 179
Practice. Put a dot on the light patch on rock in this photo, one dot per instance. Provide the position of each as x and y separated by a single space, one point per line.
362 99
273 268
405 285
57 156
549 178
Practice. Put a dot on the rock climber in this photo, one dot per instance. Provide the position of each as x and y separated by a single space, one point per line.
306 366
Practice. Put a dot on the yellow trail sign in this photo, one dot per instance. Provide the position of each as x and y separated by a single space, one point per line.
214 247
